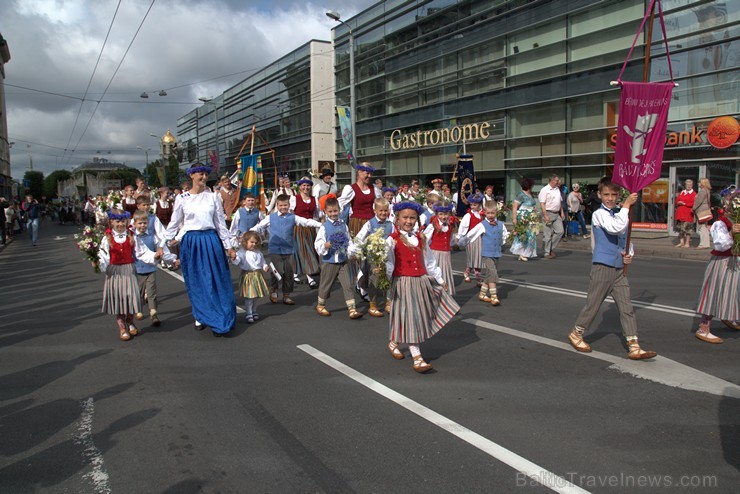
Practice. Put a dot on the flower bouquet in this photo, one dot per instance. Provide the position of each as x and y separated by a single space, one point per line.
732 212
526 224
113 200
374 251
339 242
504 208
89 242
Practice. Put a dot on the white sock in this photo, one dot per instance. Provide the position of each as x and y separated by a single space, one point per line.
415 351
249 306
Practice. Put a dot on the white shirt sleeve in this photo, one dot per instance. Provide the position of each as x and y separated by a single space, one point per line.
262 225
476 231
143 253
721 236
462 230
159 232
390 264
320 242
292 204
301 221
104 254
428 232
348 193
615 225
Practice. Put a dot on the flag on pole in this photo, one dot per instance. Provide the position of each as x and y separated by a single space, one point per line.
160 174
213 156
251 178
465 173
641 130
345 126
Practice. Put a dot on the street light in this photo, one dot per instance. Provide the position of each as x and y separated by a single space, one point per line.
206 101
146 152
331 14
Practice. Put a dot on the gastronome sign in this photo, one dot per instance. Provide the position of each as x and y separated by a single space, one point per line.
448 135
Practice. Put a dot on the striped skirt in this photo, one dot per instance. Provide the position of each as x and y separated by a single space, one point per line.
420 308
473 254
304 253
121 290
207 277
719 292
445 265
355 265
253 285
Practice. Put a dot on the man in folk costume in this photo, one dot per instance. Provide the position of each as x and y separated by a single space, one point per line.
283 188
228 196
325 184
360 196
437 187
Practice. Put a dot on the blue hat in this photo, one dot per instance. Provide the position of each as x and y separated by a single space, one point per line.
199 168
365 167
408 205
475 197
389 189
119 216
304 181
443 209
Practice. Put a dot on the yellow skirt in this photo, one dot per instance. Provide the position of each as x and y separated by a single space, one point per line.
253 285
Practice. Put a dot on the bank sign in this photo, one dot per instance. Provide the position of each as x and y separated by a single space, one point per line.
402 141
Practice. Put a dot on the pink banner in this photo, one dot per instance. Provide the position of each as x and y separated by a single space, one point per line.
641 131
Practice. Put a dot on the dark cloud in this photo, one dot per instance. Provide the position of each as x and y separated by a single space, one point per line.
55 44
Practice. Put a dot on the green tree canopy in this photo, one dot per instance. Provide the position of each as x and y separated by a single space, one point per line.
172 172
50 182
33 183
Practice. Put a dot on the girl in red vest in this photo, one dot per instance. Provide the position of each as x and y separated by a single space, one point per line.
473 256
420 307
439 233
116 259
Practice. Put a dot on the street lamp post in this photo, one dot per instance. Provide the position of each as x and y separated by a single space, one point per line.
146 154
352 103
206 101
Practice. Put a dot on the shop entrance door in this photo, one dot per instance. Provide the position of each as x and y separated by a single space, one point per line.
676 178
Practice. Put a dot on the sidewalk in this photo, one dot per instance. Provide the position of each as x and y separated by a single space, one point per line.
664 247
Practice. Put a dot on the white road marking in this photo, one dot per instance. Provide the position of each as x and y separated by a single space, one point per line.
60 238
98 476
678 311
179 277
661 370
531 470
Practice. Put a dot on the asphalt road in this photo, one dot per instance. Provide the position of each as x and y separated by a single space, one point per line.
301 403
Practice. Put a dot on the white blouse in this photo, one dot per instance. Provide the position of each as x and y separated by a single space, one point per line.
250 260
429 263
198 212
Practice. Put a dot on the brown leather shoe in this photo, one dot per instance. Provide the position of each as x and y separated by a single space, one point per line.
155 321
132 330
355 314
576 340
708 337
396 352
731 324
637 353
484 298
322 311
373 311
124 335
139 316
495 301
421 366
288 301
273 298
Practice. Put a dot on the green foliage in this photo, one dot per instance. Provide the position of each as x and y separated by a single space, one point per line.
172 172
36 183
50 182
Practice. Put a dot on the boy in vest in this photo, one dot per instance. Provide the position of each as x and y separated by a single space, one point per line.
493 234
380 221
281 225
610 254
334 260
149 250
426 215
245 219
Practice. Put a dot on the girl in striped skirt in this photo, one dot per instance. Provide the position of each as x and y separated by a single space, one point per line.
420 306
252 284
473 254
719 292
439 233
116 259
306 261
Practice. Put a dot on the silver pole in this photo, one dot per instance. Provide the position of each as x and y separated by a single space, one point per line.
352 103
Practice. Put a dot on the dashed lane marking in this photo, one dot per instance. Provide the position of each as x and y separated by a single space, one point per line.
531 470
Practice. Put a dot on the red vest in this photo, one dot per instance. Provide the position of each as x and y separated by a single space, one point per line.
131 208
164 213
475 218
121 253
304 210
362 204
409 260
440 239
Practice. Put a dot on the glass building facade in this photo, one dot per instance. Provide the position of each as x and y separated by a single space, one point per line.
523 85
290 102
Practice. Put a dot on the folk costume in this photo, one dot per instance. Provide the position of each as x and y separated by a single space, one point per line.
244 220
334 265
252 284
306 260
473 259
163 210
493 235
439 235
147 244
205 266
377 297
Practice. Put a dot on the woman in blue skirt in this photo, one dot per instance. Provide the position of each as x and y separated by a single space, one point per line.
203 253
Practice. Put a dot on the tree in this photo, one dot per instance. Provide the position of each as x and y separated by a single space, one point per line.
33 183
50 182
172 172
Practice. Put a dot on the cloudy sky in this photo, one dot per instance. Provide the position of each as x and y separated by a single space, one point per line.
185 47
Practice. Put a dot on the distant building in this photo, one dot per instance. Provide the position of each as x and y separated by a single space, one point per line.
100 165
5 183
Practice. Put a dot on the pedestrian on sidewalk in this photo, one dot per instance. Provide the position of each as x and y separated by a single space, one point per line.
3 204
33 214
719 292
552 214
703 206
523 209
575 203
610 254
684 214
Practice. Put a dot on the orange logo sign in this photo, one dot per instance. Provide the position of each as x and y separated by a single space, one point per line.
723 132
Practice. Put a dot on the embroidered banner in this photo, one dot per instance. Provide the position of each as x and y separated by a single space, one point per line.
641 130
251 178
465 174
345 126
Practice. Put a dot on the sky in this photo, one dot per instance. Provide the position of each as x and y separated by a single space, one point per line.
184 47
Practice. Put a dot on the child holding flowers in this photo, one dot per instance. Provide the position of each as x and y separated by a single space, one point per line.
439 234
493 234
369 246
116 260
332 242
719 292
420 308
